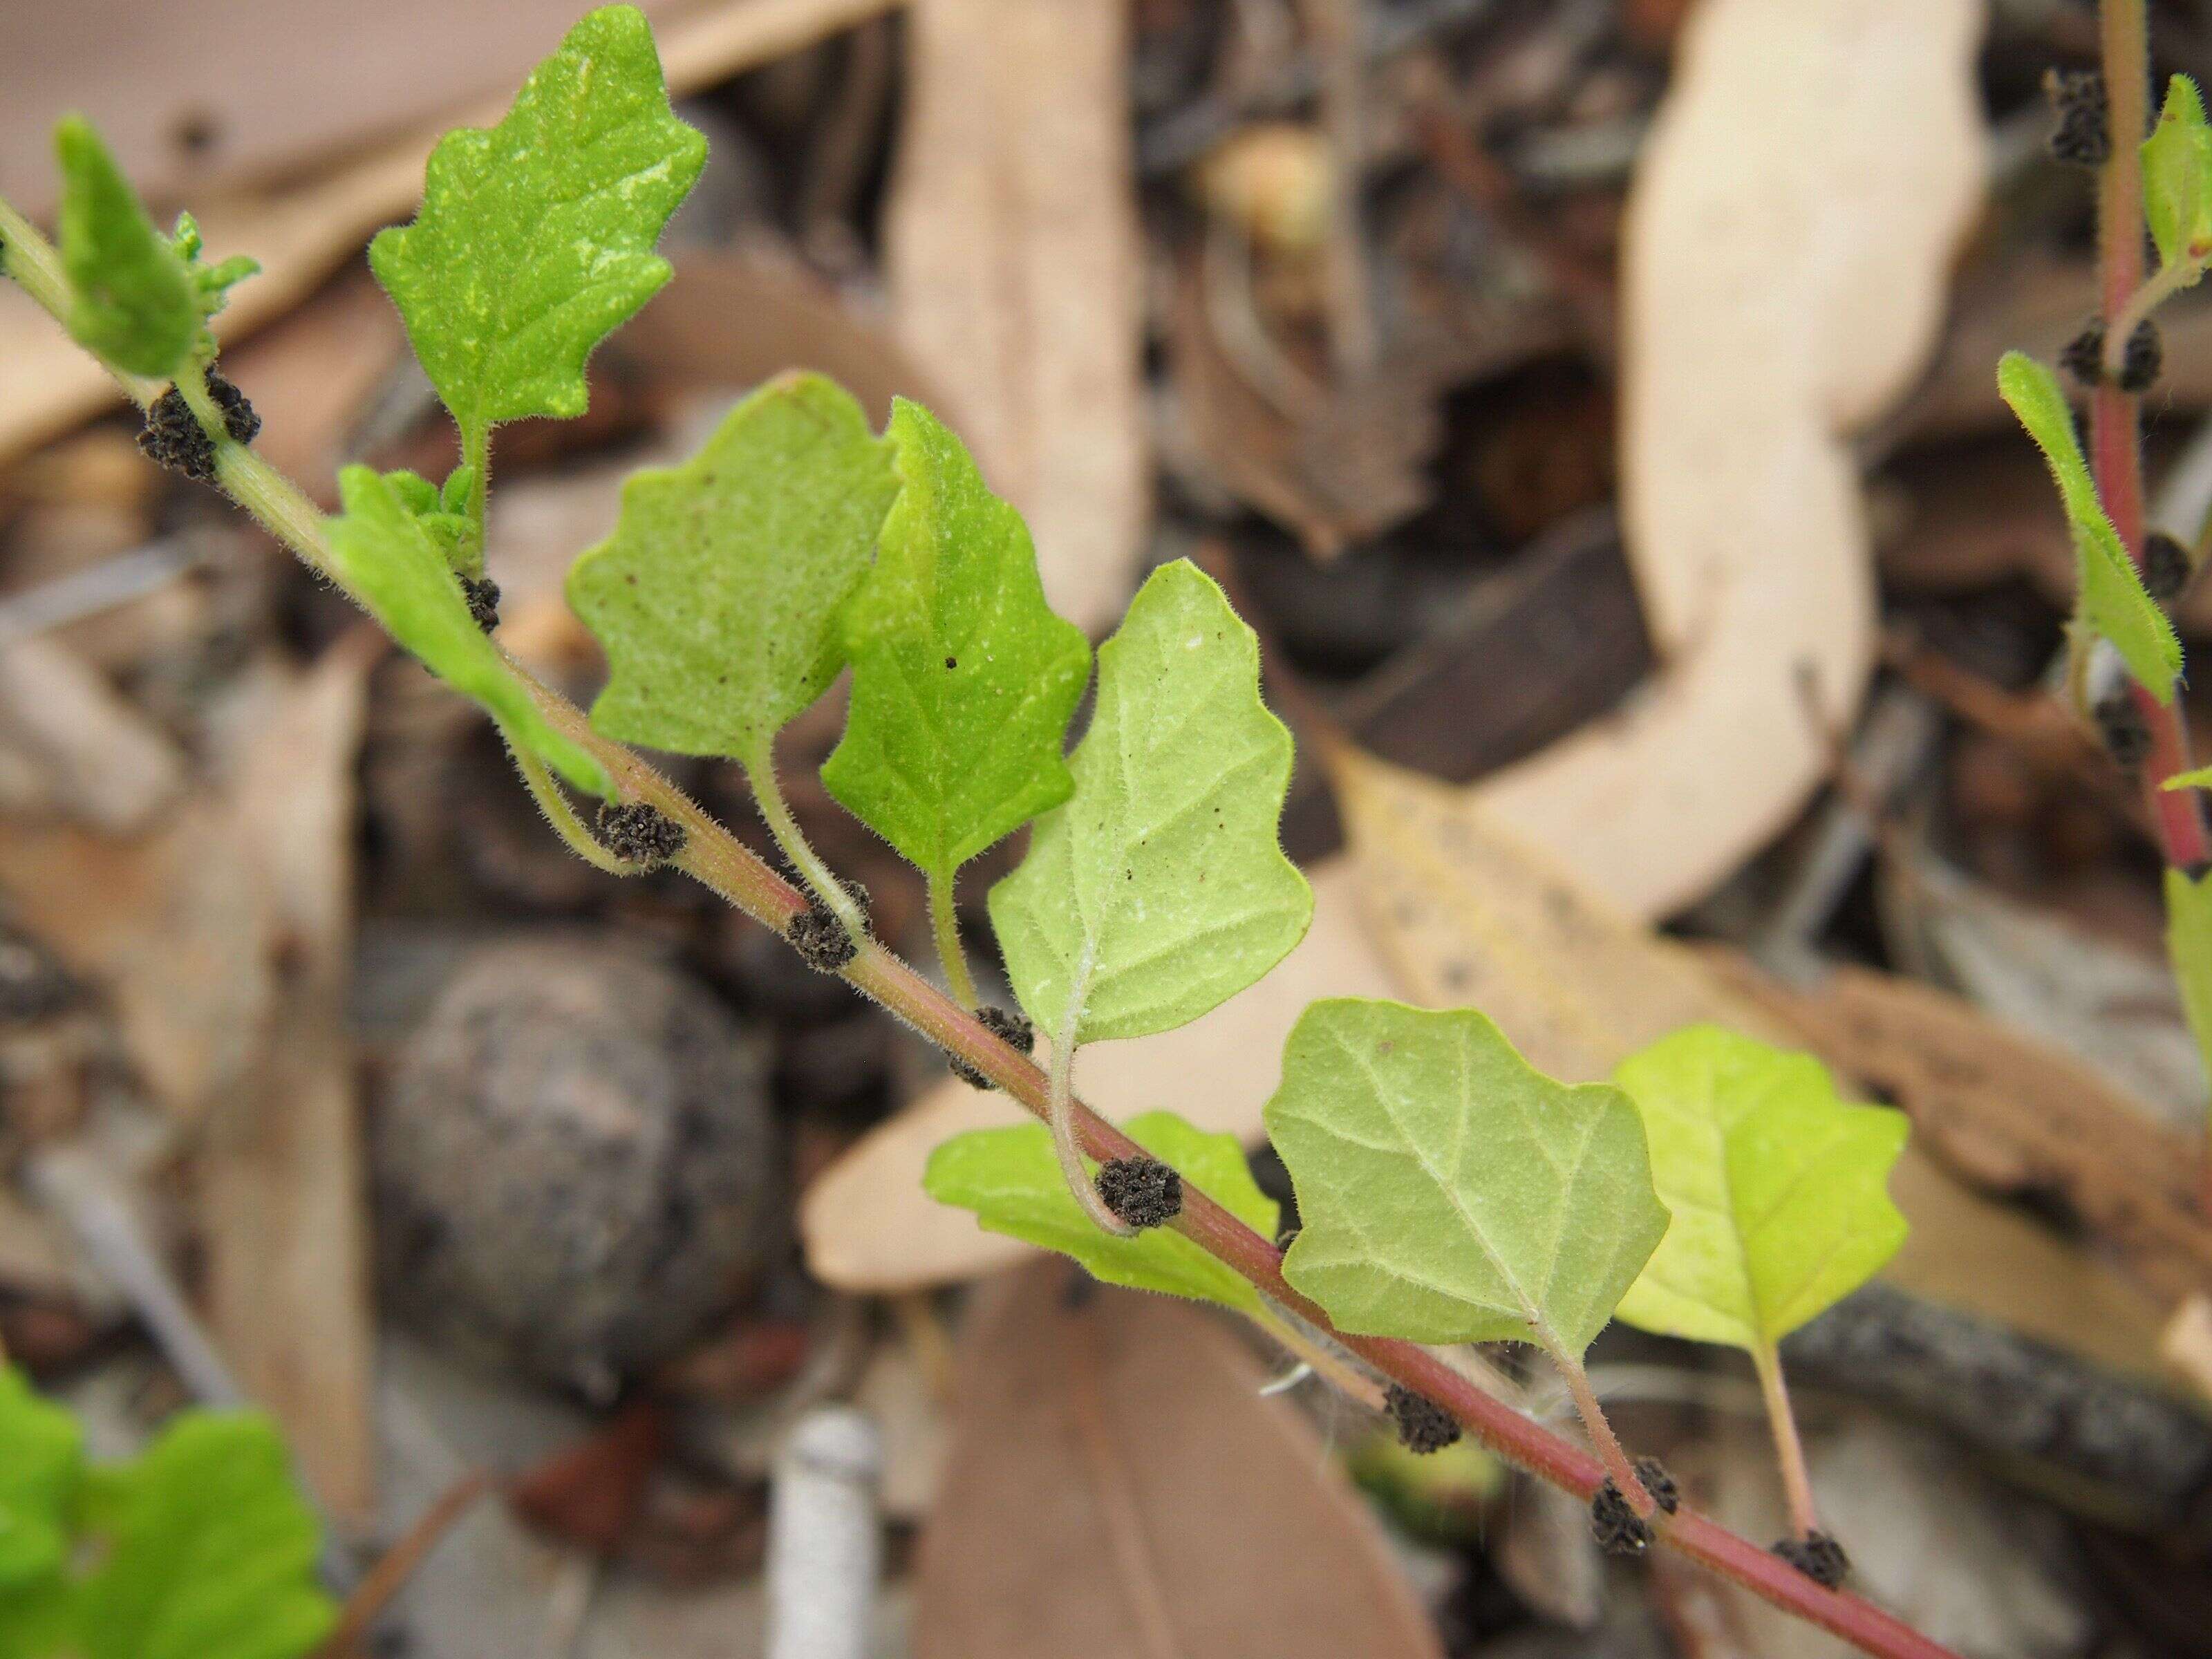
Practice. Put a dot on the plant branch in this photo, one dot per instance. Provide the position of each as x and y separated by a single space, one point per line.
2115 416
1790 1450
717 858
1060 1106
561 815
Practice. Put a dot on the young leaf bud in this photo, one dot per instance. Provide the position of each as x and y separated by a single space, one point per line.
483 595
1659 1484
637 833
1013 1029
1617 1528
2083 135
2120 723
1819 1557
1423 1426
2166 570
1142 1192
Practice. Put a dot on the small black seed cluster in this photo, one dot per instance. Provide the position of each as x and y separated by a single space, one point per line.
483 595
1423 1426
2083 356
2166 570
1659 1484
2084 133
1013 1029
2120 723
1618 1529
173 437
1142 1191
821 939
1819 1557
638 833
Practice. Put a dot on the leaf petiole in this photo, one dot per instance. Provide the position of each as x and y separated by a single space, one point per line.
562 815
821 880
945 924
1606 1443
1790 1450
1060 1104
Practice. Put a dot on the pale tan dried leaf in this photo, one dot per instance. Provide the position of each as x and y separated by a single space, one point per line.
1232 1533
1792 223
1014 266
283 1184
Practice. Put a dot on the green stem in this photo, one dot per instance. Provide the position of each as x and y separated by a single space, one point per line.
1600 1429
1790 1450
1060 1106
944 923
476 453
1347 1379
820 879
554 804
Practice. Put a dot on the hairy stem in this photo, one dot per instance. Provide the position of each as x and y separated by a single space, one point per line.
945 925
1325 1362
2115 416
2169 281
475 453
718 860
767 794
1790 1450
1600 1429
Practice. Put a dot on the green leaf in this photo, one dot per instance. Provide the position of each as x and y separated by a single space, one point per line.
2189 945
1160 889
535 238
1448 1192
964 680
41 1466
2177 172
210 284
1779 1190
717 596
1011 1179
2113 598
383 553
210 1550
2200 778
134 302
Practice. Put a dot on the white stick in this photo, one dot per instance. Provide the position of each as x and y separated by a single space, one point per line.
824 1538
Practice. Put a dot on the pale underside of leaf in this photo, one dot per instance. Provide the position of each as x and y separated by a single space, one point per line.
1448 1192
717 596
1160 889
1777 1188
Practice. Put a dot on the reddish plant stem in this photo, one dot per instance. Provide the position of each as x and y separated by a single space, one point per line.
2115 416
719 860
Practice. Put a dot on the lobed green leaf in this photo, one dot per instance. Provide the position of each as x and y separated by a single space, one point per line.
2113 598
210 1550
1011 1178
964 680
1779 1190
2177 175
535 237
718 595
134 301
1449 1192
384 553
1160 889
